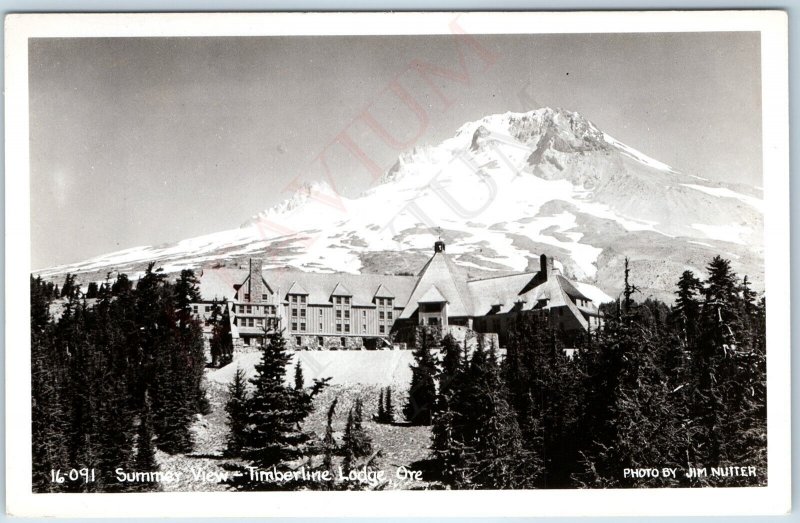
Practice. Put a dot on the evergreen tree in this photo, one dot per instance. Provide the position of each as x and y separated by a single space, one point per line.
356 443
422 392
329 446
381 417
486 429
299 382
388 409
92 290
221 343
237 413
145 452
273 437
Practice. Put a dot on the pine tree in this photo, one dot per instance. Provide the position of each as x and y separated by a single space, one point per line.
221 343
273 437
92 290
237 413
329 446
299 382
388 409
381 417
145 453
486 428
447 451
422 392
356 443
687 305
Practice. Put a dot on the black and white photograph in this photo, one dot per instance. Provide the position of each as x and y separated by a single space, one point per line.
514 254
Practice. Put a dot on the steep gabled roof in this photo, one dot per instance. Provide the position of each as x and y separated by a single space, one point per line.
383 292
569 288
340 290
432 296
450 283
296 288
498 294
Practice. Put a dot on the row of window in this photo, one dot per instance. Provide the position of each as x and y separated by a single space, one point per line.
253 322
249 309
340 327
297 298
264 297
388 315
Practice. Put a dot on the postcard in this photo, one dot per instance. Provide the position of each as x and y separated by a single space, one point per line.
397 264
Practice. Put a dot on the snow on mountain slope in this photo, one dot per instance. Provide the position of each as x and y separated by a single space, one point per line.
503 190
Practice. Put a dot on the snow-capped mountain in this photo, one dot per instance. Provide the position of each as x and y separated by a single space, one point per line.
502 191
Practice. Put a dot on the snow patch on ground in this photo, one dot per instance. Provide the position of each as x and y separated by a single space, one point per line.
637 155
725 233
381 368
724 192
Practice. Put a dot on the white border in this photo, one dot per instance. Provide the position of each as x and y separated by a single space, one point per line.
773 499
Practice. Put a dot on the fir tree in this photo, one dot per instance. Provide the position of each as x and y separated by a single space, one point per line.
145 453
299 382
422 392
381 416
237 413
356 443
329 446
273 437
388 409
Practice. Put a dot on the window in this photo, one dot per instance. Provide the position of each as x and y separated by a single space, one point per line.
293 298
347 327
247 297
380 315
347 300
338 327
320 341
259 322
320 312
363 314
264 297
294 313
320 326
343 341
382 329
302 327
380 301
194 307
302 299
347 314
389 315
294 325
302 313
249 309
208 308
338 313
364 328
389 302
298 340
338 299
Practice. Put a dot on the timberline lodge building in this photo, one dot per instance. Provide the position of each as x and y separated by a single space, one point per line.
338 311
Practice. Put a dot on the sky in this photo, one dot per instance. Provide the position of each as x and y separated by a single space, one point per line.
142 141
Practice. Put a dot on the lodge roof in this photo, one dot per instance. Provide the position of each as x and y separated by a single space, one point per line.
319 287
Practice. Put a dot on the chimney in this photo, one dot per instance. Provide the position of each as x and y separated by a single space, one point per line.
256 283
438 246
545 266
